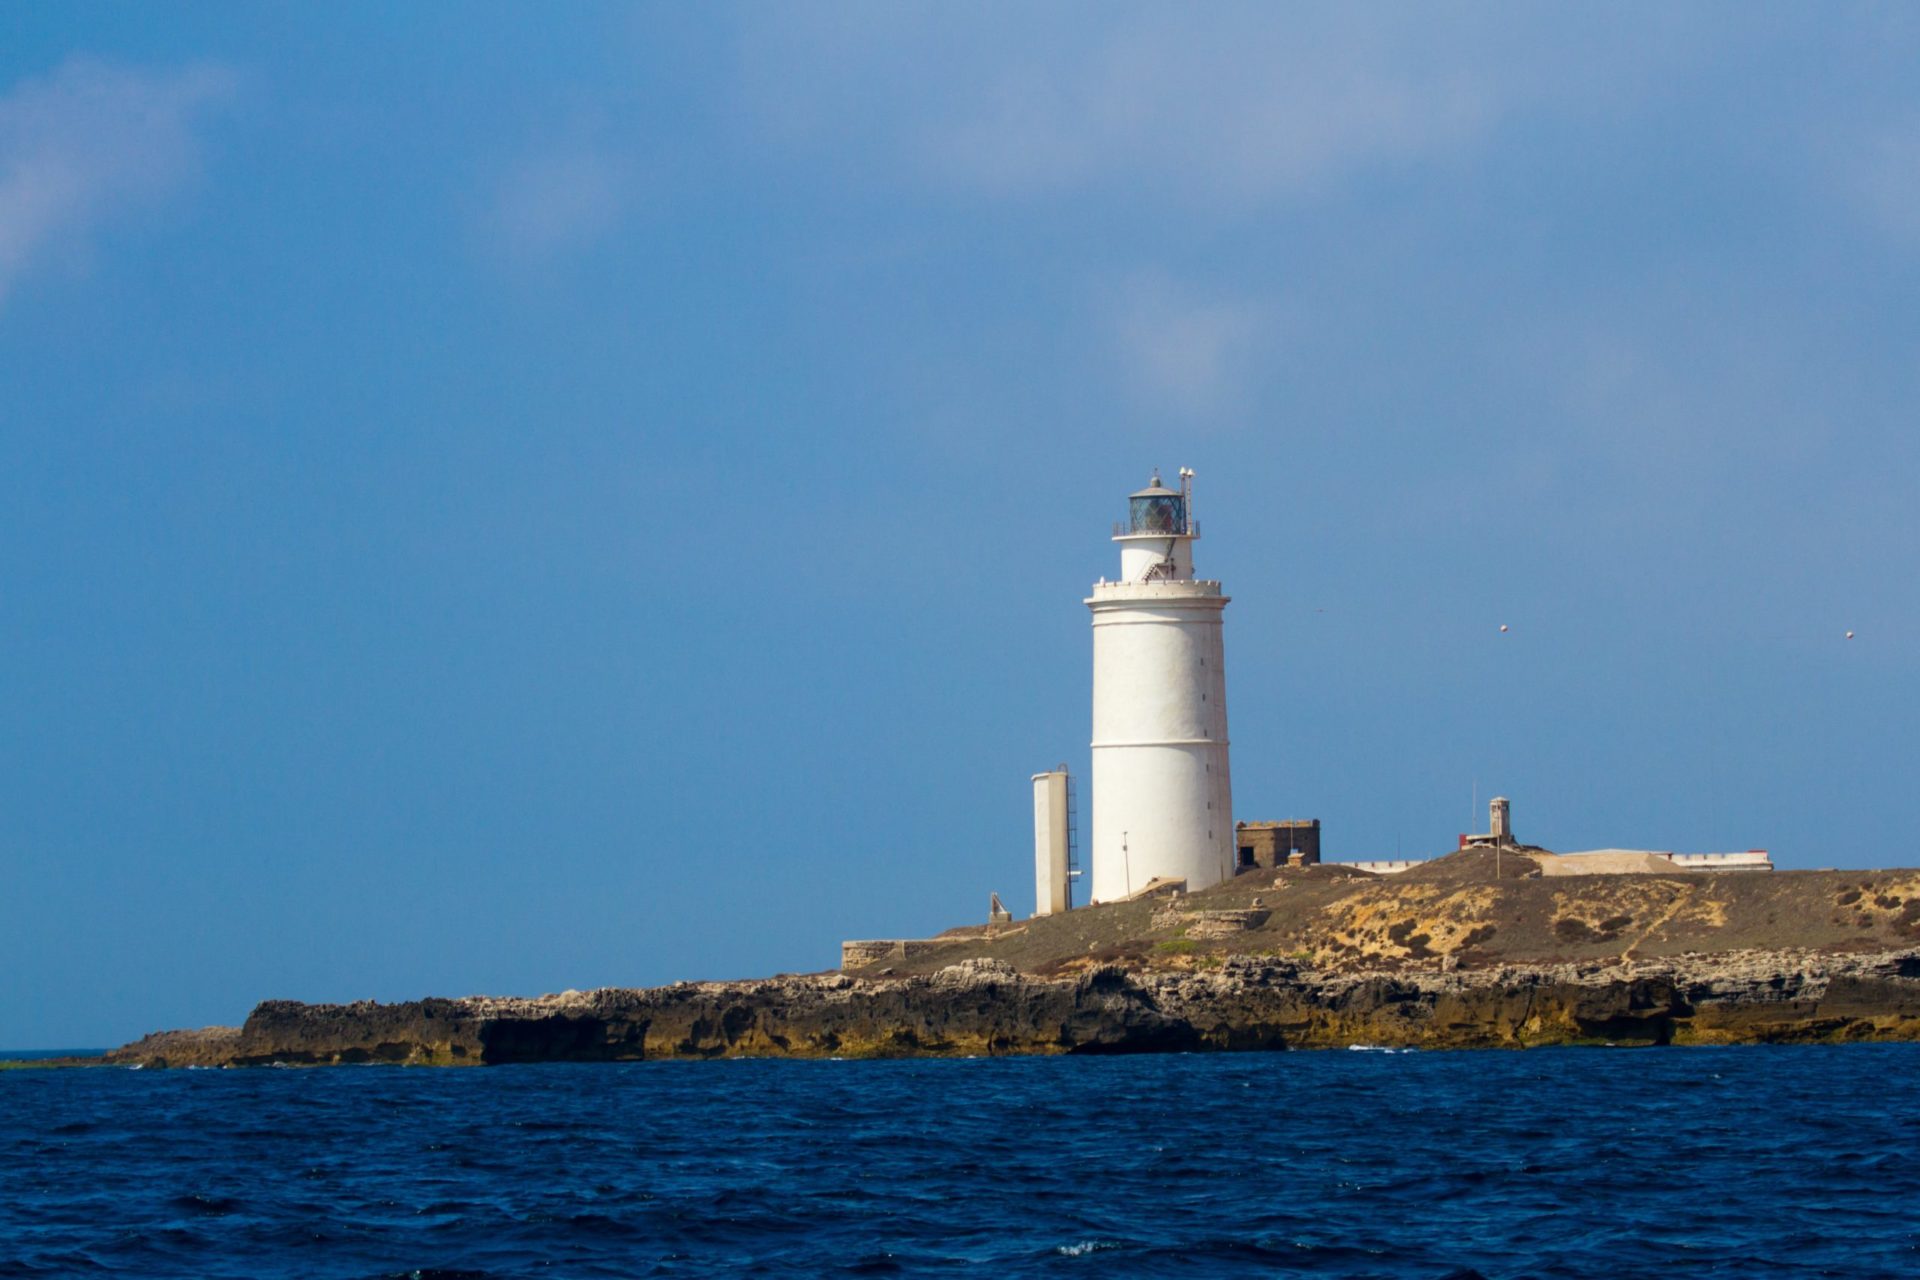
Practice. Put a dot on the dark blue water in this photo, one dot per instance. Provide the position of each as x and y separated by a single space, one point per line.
1731 1162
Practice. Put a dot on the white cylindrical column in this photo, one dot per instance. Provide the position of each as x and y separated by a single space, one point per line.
1162 788
1150 559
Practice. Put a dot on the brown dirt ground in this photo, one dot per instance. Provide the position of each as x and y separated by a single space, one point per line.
1453 912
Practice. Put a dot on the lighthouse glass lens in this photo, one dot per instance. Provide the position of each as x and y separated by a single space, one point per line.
1156 515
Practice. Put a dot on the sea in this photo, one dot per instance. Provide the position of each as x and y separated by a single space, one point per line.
1756 1161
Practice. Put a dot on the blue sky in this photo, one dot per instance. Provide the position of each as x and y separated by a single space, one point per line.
501 500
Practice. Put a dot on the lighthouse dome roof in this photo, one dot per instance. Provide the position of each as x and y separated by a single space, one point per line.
1155 489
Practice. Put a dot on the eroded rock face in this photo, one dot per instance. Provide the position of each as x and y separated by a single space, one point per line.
985 1007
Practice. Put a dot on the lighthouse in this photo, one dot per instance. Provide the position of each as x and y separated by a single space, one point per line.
1162 797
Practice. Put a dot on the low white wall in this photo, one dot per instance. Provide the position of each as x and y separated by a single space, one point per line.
1750 860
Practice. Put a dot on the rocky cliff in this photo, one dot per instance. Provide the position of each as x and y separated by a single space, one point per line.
1469 950
985 1006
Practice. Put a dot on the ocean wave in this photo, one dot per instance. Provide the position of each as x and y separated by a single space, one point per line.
1463 1165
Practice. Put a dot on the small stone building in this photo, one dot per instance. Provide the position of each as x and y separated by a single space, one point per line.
1274 844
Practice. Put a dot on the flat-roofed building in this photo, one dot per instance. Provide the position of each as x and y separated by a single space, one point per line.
1275 844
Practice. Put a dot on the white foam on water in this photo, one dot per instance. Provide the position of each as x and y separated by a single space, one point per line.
1086 1247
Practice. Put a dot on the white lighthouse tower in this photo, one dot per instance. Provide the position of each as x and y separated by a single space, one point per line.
1162 798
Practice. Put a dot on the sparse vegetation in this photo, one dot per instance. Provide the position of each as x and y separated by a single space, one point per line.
1453 911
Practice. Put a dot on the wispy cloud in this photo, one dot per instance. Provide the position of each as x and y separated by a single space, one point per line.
558 199
1885 179
1183 351
1229 108
1214 111
91 141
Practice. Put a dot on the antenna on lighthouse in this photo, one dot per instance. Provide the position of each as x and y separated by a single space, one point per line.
1186 496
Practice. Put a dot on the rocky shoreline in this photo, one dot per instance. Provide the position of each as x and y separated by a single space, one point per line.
986 1007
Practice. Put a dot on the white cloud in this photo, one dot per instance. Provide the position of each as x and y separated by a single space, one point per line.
559 199
1183 352
1222 107
1228 114
1885 179
88 142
